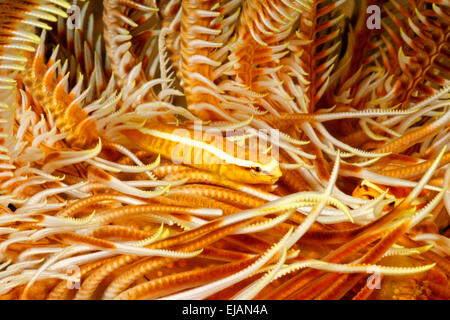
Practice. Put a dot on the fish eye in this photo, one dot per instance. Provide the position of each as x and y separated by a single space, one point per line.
256 169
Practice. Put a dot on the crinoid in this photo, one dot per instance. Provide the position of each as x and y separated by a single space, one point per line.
232 149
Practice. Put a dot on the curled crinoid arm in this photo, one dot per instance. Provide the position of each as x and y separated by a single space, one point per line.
81 51
261 42
121 20
61 106
19 40
422 47
314 52
198 34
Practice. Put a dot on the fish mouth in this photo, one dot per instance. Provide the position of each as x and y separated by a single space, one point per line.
274 175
